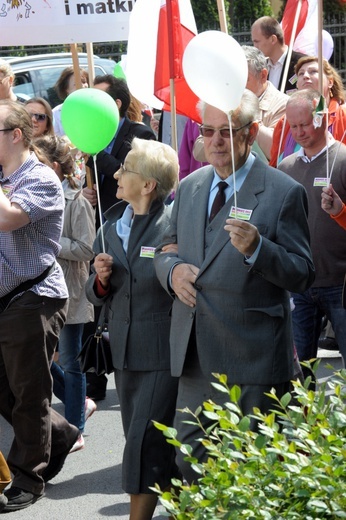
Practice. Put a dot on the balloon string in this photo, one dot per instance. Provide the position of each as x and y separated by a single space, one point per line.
327 150
336 155
233 165
99 205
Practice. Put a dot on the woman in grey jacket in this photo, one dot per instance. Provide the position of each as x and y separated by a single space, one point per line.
139 317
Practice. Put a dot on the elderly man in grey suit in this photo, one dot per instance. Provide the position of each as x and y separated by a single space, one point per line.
231 277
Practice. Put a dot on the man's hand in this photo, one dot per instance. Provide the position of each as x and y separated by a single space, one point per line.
331 202
170 248
91 195
183 279
244 236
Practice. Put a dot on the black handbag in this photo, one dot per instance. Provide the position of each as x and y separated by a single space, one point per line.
96 355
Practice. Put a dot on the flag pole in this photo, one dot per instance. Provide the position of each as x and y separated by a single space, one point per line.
171 28
89 174
222 16
319 45
75 61
91 69
290 46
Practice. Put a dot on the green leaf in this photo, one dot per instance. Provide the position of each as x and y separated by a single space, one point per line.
235 393
220 388
285 399
211 415
244 424
260 441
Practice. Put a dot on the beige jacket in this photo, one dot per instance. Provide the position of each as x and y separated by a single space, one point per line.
76 252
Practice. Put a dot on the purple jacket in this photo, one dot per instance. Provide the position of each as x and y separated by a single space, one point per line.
188 163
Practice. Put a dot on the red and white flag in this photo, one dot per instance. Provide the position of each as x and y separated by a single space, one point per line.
176 28
305 40
155 50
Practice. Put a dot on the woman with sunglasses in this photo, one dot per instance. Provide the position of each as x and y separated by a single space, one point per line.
41 116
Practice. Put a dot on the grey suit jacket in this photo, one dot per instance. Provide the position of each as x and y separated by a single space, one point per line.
242 315
139 316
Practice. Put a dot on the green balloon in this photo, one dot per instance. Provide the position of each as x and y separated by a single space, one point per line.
90 119
118 71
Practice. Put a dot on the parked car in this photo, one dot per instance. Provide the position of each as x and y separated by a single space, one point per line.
37 75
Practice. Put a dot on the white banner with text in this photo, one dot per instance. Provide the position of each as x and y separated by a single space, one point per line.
43 22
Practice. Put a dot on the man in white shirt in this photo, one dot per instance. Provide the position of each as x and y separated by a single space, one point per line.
268 37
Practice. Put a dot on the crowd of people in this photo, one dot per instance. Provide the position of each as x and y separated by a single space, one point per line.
187 289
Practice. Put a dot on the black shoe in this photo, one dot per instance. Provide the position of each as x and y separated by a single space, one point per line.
19 499
328 343
3 501
57 461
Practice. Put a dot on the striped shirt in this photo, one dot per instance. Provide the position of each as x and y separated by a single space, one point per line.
26 252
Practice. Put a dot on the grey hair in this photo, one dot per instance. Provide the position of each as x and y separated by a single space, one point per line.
255 59
248 109
157 161
303 98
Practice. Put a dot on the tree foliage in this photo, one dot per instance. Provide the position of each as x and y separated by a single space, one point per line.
244 10
293 468
240 12
206 14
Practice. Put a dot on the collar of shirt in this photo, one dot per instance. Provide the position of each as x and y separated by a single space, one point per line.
240 176
28 164
275 70
280 61
301 154
123 226
108 148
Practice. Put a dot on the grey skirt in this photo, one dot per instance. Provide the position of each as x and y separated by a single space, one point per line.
147 458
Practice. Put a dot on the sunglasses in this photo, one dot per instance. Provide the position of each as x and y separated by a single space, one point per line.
39 117
207 131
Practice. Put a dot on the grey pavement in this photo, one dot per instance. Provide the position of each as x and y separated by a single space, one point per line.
89 485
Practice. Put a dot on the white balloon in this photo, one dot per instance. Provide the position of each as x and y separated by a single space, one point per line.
216 69
327 45
141 51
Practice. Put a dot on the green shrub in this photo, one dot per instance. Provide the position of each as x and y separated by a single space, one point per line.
293 467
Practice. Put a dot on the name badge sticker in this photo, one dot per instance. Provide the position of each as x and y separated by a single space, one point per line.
147 252
240 213
320 181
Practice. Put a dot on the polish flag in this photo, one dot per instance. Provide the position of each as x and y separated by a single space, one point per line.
155 50
306 34
176 28
289 16
306 40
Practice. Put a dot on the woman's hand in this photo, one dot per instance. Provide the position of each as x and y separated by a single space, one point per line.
103 266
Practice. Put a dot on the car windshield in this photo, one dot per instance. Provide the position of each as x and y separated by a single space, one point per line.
39 80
